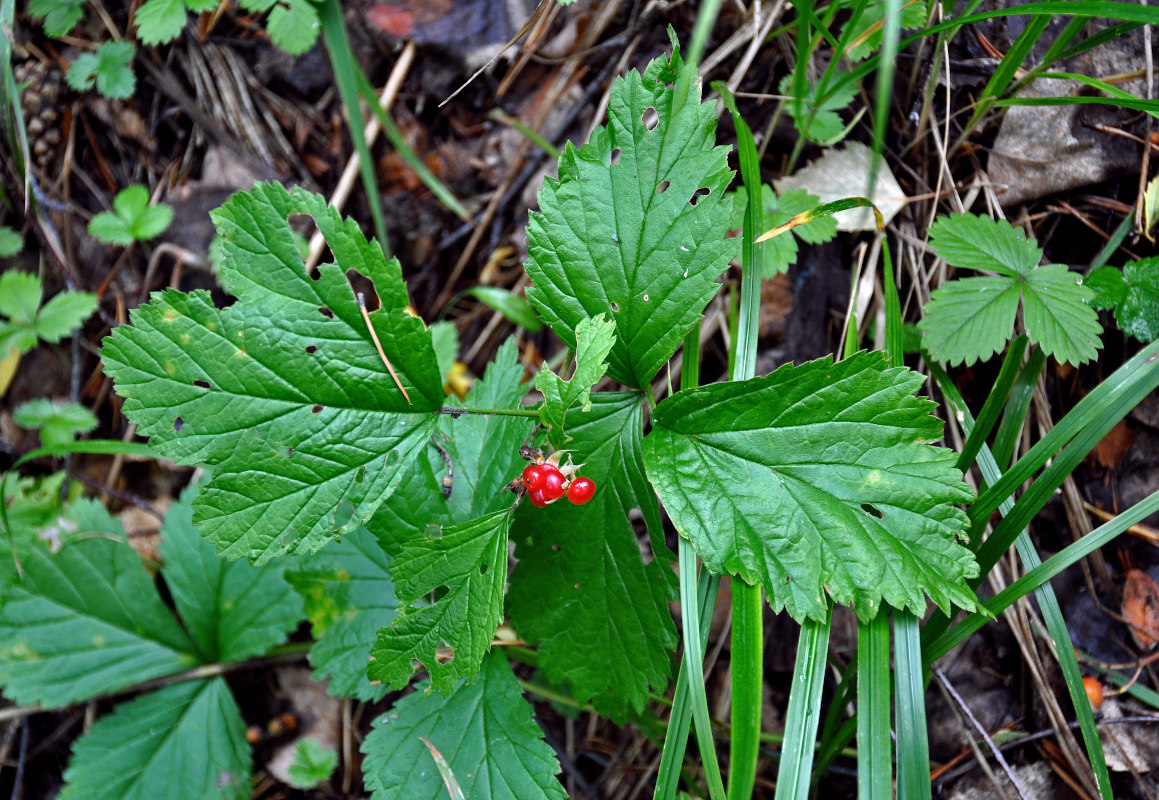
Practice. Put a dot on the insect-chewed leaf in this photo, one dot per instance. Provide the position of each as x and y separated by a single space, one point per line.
816 480
635 225
284 392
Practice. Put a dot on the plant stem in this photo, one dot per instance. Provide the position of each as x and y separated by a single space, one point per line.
454 411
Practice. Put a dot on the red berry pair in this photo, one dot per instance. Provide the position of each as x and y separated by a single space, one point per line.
546 483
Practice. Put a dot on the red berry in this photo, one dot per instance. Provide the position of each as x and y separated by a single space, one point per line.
533 476
581 490
536 497
553 483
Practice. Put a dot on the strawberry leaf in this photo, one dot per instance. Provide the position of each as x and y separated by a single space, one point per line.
183 742
284 392
817 480
627 228
485 730
1133 293
580 587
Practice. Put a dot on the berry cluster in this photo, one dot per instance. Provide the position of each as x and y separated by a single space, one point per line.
546 483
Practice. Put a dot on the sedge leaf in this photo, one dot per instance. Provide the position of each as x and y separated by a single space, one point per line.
486 731
349 596
232 610
635 225
1133 292
85 620
580 587
817 480
594 340
183 742
469 563
284 392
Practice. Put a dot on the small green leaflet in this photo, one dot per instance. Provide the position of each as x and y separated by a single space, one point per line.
819 122
161 21
513 307
817 480
108 69
866 36
11 242
86 620
183 742
972 318
635 225
232 610
283 392
349 596
132 218
594 340
486 731
1133 293
581 589
293 25
781 251
59 16
56 423
470 562
313 764
20 296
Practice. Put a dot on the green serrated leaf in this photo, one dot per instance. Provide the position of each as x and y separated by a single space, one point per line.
595 338
84 621
580 587
466 567
971 241
313 764
159 21
183 742
970 319
11 242
59 16
108 69
284 392
1137 314
56 423
1109 286
20 296
294 26
1058 316
819 122
486 731
817 480
63 314
349 596
233 611
626 237
513 307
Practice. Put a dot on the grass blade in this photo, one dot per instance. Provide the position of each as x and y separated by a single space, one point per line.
1016 409
804 711
996 400
874 752
913 746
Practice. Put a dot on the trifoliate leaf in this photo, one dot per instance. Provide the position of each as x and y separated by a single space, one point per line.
108 69
284 392
59 16
313 764
629 228
1133 293
159 21
57 423
485 730
819 122
466 565
972 318
84 621
132 218
970 241
594 340
232 610
781 251
581 588
817 480
513 307
294 26
183 742
11 242
63 314
349 596
20 296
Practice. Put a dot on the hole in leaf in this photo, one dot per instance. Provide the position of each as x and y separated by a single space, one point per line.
663 187
872 510
699 193
615 306
359 474
438 594
177 423
360 284
326 312
285 451
444 654
556 548
201 384
315 409
483 568
616 156
650 118
311 349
